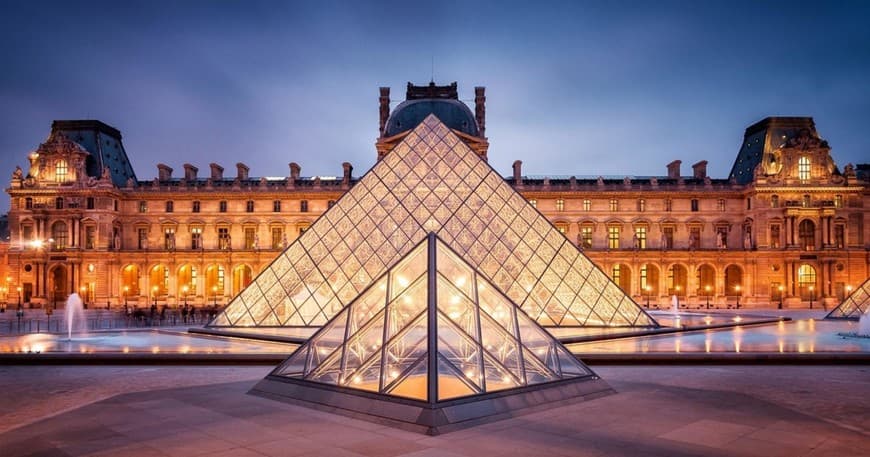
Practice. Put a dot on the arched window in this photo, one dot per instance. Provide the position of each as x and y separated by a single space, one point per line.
807 233
130 282
806 280
60 171
804 168
58 233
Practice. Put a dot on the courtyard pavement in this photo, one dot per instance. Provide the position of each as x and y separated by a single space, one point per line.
658 411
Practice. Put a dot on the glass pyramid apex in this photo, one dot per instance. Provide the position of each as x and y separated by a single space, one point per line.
856 304
432 329
432 182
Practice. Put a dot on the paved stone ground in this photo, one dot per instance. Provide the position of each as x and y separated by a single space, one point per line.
667 411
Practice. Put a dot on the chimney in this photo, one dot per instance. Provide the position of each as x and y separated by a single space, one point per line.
674 169
242 171
699 170
348 169
217 172
190 172
518 172
295 169
164 172
480 109
384 108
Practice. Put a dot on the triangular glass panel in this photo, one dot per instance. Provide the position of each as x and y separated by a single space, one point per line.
413 384
855 305
452 383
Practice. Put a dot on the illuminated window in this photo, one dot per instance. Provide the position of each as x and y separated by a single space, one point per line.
804 168
143 206
250 237
720 204
562 228
223 238
277 237
806 278
838 201
60 171
643 277
640 233
616 274
196 238
560 205
169 238
613 237
641 205
534 203
587 205
614 205
196 206
59 233
586 237
249 206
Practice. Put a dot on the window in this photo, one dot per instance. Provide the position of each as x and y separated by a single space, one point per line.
170 206
562 228
89 203
668 204
614 205
303 206
143 206
804 168
560 204
277 237
330 204
58 203
586 237
276 206
644 274
667 238
613 237
60 171
224 238
806 202
774 201
58 232
748 203
169 238
838 201
250 238
90 237
196 238
807 234
720 204
694 204
142 238
28 203
195 206
115 204
222 206
640 237
27 232
616 273
722 237
839 236
641 205
249 206
806 279
303 229
774 236
587 205
534 203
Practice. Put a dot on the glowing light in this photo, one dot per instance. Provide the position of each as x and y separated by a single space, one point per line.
357 379
402 281
454 299
460 281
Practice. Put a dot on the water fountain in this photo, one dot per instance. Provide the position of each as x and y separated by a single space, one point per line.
75 315
675 306
864 324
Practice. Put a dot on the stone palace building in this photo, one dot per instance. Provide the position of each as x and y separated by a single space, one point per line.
787 227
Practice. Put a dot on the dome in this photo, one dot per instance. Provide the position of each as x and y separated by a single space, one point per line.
411 113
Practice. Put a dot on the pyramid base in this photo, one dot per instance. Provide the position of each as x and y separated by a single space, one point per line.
431 419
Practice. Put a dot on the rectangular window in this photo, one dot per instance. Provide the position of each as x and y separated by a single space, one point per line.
170 206
560 204
222 206
169 238
28 203
534 203
668 238
223 238
748 204
276 206
613 237
303 206
563 229
804 168
250 238
90 237
249 206
694 204
195 206
196 238
640 237
26 233
89 203
839 236
643 280
142 238
587 205
722 237
115 205
614 205
641 205
586 237
617 274
277 237
720 204
58 203
838 201
60 171
143 206
669 204
774 236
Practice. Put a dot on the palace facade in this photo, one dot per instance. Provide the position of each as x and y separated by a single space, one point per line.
787 227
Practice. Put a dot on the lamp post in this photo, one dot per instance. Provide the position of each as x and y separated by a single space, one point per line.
214 293
184 290
18 289
707 289
154 294
647 289
677 287
84 291
737 289
812 295
781 288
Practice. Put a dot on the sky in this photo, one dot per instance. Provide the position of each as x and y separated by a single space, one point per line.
573 88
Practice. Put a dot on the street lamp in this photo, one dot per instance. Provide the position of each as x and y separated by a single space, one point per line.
707 288
184 294
647 289
781 288
84 291
677 287
126 293
737 289
18 289
214 294
812 295
154 294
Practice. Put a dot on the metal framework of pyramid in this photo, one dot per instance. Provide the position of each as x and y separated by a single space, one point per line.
856 304
432 182
436 341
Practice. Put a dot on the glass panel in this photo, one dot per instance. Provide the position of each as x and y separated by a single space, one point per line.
408 270
367 377
451 383
364 344
496 307
569 365
414 383
497 376
295 365
457 307
498 344
407 307
460 350
455 270
328 339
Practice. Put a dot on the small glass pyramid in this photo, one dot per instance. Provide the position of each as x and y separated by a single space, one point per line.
432 329
856 304
432 182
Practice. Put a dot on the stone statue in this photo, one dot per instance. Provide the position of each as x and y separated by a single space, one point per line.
692 241
107 174
283 241
18 173
635 242
256 244
720 240
117 242
664 242
747 240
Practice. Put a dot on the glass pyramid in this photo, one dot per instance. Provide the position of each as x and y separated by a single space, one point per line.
856 304
432 182
432 329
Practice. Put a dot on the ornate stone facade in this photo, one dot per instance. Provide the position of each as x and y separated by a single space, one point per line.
786 227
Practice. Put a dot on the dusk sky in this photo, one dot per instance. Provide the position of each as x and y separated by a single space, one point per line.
573 88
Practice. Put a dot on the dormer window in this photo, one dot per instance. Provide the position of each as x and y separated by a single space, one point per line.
60 171
804 168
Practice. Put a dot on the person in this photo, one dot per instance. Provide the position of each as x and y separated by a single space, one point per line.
184 314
